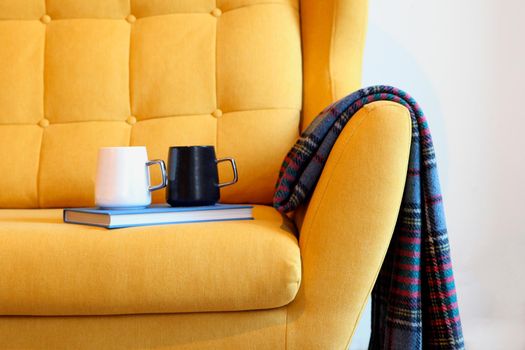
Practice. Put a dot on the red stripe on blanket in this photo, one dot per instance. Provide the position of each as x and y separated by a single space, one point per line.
409 253
406 293
408 267
411 240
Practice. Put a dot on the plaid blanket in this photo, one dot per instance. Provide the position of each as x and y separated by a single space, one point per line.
414 303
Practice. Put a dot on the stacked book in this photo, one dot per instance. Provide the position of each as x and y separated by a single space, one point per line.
156 215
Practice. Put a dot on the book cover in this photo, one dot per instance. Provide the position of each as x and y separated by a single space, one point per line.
156 215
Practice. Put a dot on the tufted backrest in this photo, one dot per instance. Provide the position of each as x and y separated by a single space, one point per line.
76 75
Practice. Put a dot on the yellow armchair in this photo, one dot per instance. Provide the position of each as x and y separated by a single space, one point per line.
242 75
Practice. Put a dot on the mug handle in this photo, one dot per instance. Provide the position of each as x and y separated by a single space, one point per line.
234 167
164 183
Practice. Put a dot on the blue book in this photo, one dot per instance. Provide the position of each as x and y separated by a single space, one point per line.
156 215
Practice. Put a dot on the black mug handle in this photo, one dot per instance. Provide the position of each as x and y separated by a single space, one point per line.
234 167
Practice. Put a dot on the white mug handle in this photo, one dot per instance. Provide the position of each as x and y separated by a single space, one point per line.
164 183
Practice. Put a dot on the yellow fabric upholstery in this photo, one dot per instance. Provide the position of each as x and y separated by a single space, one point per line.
333 35
261 330
57 269
348 226
78 75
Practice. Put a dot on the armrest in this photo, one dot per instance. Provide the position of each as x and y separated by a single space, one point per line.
348 226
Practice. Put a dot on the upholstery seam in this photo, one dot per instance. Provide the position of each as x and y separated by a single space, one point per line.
72 122
19 19
286 329
216 81
38 189
330 54
408 136
296 8
362 44
222 110
350 137
131 25
146 118
262 4
303 70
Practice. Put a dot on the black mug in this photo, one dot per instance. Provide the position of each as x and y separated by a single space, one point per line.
193 177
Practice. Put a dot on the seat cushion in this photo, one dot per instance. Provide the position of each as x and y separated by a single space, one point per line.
48 267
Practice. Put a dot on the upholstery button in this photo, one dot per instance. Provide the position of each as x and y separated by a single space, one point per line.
216 12
131 19
44 123
45 19
217 113
131 120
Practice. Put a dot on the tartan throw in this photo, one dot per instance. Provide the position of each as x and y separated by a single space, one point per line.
414 303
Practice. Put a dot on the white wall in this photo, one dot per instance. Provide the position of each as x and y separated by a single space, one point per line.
464 61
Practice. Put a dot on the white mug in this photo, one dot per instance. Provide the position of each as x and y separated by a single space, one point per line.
123 179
